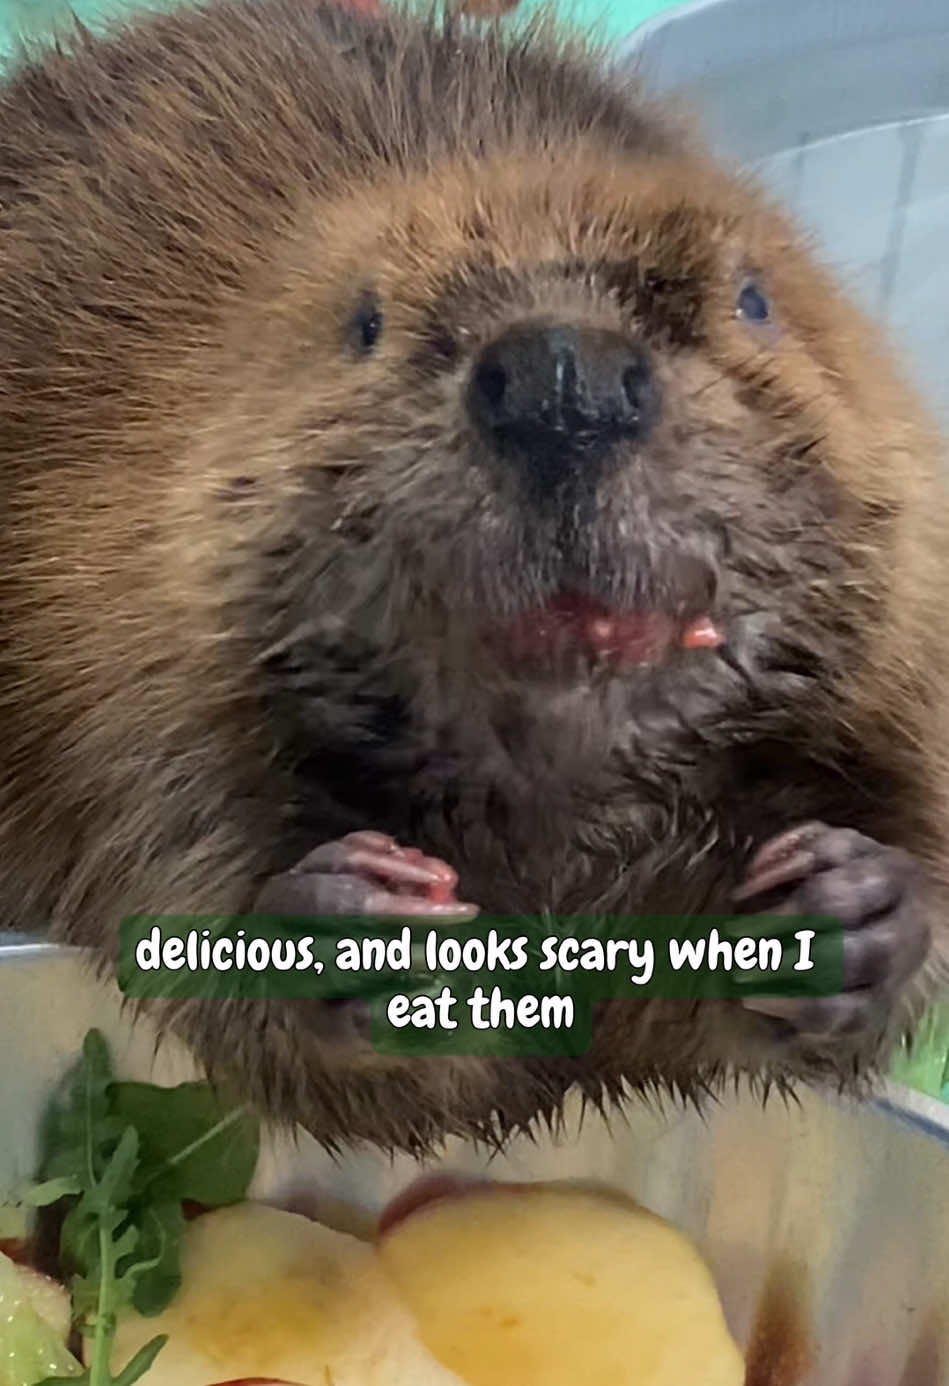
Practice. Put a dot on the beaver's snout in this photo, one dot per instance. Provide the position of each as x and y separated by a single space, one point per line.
554 399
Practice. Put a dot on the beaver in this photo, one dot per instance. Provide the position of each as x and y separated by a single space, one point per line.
433 483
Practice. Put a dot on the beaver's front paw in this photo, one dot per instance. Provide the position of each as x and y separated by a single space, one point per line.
365 874
872 892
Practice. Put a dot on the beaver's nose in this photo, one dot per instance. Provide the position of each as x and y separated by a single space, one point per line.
562 394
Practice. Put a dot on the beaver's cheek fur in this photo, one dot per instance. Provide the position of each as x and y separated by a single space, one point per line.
258 565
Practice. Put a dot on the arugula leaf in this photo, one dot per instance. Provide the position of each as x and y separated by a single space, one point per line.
141 1362
42 1195
197 1145
124 1157
159 1248
80 1122
133 1371
113 1187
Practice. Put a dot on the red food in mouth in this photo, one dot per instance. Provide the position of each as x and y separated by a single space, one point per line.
574 622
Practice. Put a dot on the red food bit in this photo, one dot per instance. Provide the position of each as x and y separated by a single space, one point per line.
574 620
441 890
17 1249
431 1188
624 639
702 634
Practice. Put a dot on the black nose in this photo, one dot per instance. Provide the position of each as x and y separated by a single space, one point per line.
562 395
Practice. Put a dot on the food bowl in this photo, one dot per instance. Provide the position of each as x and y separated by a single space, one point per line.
833 1215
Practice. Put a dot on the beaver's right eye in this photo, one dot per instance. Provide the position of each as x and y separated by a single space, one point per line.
366 325
752 304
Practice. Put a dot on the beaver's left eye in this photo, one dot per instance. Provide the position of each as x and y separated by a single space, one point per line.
752 304
366 325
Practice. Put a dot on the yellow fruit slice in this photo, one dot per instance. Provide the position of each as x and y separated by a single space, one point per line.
271 1295
552 1285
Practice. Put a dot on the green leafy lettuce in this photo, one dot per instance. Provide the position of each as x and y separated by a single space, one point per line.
125 1159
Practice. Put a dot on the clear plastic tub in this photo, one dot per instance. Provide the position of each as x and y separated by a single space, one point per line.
842 106
842 1206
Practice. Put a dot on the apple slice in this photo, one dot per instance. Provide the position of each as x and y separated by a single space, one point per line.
270 1296
554 1285
467 1284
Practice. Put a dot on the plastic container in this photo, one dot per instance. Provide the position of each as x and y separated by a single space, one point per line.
842 106
843 1206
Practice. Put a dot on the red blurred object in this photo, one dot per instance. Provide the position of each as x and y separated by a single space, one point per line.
702 634
436 1188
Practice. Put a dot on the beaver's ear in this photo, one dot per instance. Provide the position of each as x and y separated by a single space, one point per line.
365 323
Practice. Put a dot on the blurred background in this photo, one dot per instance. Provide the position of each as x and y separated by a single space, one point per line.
617 20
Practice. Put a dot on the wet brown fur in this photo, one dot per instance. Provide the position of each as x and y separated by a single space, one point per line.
189 210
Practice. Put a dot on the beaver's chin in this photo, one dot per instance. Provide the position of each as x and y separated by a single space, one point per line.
574 631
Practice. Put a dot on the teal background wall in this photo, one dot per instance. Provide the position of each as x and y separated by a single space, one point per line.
611 18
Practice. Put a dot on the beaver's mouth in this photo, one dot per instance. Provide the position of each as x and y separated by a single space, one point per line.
574 625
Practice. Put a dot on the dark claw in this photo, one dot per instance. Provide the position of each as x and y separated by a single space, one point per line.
820 1018
867 890
796 854
862 890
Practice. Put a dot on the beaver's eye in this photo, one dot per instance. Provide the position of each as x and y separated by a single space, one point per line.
752 304
366 324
